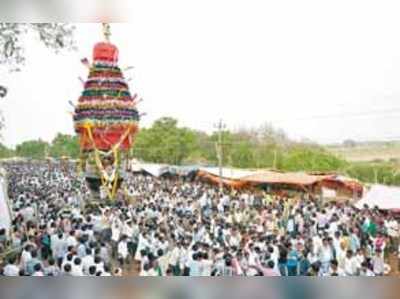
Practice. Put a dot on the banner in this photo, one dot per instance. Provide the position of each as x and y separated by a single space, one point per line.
5 217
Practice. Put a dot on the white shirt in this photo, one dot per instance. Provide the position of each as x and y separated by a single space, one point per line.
11 270
58 246
76 271
393 228
339 272
174 256
87 262
71 241
116 232
326 254
123 249
350 266
206 267
25 258
128 230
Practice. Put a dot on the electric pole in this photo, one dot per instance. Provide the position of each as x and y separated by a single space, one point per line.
219 148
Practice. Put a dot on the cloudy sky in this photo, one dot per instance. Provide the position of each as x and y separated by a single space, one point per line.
322 70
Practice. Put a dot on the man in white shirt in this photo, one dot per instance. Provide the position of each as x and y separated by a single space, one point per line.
335 270
326 256
87 261
123 252
163 261
365 271
11 269
350 264
71 240
58 246
38 270
25 257
77 267
28 213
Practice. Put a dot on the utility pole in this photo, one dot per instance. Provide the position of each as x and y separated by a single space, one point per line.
219 148
275 157
376 176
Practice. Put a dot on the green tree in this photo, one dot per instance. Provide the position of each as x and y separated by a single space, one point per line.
165 142
265 147
242 155
310 158
375 173
65 145
5 152
35 149
204 151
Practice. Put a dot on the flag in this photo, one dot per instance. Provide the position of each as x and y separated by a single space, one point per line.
85 62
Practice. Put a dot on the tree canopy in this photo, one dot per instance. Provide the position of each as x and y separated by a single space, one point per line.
35 149
55 36
64 145
166 142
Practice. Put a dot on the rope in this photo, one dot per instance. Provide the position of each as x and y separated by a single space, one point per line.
105 180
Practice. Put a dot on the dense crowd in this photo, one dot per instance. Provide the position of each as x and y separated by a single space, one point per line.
177 227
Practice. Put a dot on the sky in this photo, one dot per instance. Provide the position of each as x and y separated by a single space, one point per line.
320 70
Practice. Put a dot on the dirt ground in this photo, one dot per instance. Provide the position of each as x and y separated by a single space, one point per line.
133 269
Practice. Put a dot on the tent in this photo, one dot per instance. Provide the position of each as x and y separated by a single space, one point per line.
5 209
238 178
289 178
344 186
383 197
310 182
247 178
153 169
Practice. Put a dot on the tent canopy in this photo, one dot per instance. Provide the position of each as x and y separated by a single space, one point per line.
290 178
150 168
228 173
383 197
240 178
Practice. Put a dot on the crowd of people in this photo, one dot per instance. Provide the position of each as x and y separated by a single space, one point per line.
179 227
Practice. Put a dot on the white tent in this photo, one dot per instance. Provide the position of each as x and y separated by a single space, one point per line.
151 168
154 169
383 197
5 214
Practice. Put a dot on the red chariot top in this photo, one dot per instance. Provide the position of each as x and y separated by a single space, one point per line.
105 51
